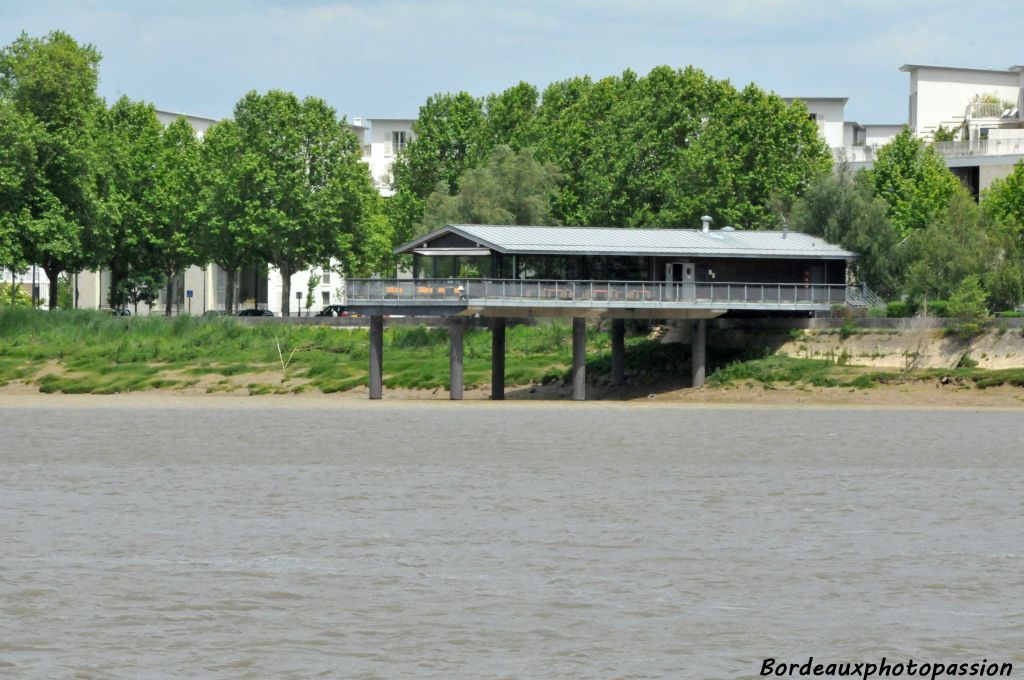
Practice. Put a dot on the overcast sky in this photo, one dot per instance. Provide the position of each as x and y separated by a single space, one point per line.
382 59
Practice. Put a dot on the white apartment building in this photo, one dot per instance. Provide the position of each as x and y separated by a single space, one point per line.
828 113
983 102
382 140
984 108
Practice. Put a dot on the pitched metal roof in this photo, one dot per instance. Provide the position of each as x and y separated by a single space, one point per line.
641 242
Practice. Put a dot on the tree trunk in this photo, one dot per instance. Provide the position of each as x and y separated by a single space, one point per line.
229 291
286 291
53 273
14 288
113 300
171 293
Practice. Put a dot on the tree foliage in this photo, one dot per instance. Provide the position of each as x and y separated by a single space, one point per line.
226 237
50 84
841 208
174 204
510 188
298 174
911 177
963 241
450 138
131 145
1004 199
654 150
968 304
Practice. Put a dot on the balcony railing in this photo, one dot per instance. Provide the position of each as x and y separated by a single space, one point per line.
986 110
982 147
623 294
979 147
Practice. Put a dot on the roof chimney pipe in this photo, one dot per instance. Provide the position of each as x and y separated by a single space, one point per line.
705 222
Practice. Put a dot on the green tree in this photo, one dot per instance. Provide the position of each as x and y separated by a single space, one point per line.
510 188
1004 199
962 241
304 188
137 287
509 117
226 236
913 180
666 148
968 305
17 165
131 147
51 82
451 137
841 208
174 204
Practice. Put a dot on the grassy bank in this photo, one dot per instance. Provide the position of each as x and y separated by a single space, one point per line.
91 352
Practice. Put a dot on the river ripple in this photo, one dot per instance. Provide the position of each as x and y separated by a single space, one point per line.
503 540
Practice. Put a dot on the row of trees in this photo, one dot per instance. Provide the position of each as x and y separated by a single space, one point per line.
920 233
658 150
87 186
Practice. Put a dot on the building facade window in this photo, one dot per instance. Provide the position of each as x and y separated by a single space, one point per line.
398 141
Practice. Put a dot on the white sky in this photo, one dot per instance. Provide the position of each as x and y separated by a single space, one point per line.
383 58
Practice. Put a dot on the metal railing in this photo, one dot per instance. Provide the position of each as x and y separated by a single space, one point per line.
590 293
986 110
1008 146
859 295
981 147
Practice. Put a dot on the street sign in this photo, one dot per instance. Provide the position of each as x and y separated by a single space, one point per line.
188 293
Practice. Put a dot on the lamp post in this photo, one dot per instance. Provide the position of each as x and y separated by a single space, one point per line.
298 300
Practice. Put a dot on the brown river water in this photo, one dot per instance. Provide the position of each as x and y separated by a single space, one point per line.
466 540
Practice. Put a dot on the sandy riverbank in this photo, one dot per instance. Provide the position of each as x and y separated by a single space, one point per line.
912 394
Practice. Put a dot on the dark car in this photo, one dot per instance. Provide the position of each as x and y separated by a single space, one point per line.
123 311
255 312
334 310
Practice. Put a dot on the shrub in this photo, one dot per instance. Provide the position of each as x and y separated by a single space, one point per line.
968 305
938 308
899 309
22 298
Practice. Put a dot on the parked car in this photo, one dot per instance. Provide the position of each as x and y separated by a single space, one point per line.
255 312
215 312
334 310
123 311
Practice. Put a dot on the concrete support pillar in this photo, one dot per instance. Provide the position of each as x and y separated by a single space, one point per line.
376 356
455 333
618 351
698 360
579 358
498 358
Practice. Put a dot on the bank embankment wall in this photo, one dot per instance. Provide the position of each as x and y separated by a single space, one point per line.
903 344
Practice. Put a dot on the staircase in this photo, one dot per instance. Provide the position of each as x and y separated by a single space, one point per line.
862 297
